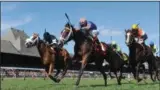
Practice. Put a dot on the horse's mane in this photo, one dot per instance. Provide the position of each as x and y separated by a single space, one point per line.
68 25
134 42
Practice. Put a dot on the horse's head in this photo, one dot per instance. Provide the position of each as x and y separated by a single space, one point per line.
32 41
66 34
129 38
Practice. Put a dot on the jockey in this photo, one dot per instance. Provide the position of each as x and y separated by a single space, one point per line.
140 35
115 47
153 47
90 27
50 39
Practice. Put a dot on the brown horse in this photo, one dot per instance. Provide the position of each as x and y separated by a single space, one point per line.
137 56
48 57
84 49
116 62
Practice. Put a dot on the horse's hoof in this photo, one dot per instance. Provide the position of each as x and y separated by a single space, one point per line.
76 84
105 85
55 80
58 80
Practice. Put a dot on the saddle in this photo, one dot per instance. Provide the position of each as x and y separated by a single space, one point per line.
98 47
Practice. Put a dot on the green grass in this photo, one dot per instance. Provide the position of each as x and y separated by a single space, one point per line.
68 84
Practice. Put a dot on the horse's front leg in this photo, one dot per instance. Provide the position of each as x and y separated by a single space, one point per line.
101 69
109 72
143 69
137 72
152 70
83 65
51 68
57 73
67 65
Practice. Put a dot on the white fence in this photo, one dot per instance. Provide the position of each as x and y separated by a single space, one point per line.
17 72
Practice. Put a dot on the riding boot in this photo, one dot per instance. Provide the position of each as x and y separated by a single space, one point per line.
96 40
120 54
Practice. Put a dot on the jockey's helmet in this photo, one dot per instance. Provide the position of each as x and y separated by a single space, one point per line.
46 35
113 42
151 43
83 21
135 27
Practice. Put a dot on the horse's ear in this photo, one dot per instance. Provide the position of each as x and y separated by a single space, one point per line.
45 30
125 30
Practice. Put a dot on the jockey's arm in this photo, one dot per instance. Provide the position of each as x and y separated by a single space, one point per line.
142 35
87 27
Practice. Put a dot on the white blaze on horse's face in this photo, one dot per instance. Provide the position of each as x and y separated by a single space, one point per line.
128 38
31 41
65 35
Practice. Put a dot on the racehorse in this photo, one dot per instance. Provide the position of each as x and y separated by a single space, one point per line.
48 57
116 62
125 58
137 56
84 50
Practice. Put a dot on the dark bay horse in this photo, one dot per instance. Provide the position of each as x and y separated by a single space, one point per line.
137 56
48 57
84 50
125 59
116 62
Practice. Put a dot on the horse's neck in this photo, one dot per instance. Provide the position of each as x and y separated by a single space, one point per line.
134 49
80 38
41 47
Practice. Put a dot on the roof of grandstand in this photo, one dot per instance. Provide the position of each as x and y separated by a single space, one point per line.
13 42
